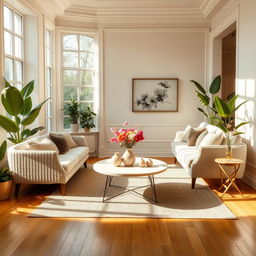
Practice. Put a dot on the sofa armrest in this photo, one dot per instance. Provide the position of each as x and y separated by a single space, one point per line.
179 135
80 141
35 166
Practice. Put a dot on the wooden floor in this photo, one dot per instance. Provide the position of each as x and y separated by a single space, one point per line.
20 235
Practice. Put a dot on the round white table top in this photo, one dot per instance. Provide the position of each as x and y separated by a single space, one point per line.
105 167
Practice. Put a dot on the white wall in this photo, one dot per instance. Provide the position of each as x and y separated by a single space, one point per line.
140 53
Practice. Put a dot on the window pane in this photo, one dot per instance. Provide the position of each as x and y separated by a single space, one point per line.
70 92
18 24
66 123
70 59
70 42
86 43
8 64
48 76
87 93
18 47
48 56
7 18
70 77
86 60
19 71
8 43
86 104
86 77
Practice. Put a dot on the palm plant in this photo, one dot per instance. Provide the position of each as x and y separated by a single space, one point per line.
226 110
18 105
206 99
5 174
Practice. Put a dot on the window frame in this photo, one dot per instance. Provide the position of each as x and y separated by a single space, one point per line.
15 82
78 86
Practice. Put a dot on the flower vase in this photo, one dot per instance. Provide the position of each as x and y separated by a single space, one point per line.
229 146
128 157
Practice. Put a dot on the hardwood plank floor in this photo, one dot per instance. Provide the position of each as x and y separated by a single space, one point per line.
23 236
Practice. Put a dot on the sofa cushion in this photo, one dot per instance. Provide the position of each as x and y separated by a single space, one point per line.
81 152
200 137
176 146
186 134
235 140
68 161
186 156
60 142
194 133
44 144
68 138
211 139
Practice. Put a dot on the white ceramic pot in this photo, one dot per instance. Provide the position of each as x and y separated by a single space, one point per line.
116 160
128 157
74 127
87 129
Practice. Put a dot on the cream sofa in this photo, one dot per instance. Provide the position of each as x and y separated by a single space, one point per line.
46 166
198 161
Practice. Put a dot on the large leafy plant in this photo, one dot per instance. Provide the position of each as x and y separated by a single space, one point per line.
5 174
206 98
87 118
72 110
18 105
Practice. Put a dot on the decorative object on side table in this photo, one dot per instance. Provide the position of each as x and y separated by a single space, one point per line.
155 94
87 118
72 110
5 176
127 138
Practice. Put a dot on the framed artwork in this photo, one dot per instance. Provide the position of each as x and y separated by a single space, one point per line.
155 94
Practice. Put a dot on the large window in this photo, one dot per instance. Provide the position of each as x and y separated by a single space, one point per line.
49 78
78 70
13 47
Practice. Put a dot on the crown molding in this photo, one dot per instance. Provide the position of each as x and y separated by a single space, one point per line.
207 6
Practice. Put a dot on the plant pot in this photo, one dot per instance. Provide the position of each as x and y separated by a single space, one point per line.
229 146
128 157
74 127
87 129
5 189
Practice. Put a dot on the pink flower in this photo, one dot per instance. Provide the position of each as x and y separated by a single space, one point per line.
125 123
114 140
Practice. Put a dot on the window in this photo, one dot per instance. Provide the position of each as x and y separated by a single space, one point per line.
13 47
78 71
49 79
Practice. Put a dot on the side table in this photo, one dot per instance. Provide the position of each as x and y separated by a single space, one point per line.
231 178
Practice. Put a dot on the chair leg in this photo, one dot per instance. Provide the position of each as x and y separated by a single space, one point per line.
63 189
17 189
85 164
193 183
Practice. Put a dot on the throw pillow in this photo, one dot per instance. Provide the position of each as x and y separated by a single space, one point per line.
60 142
44 144
211 139
200 137
186 133
193 135
68 138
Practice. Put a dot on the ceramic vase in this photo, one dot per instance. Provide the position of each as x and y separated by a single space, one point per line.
128 157
87 129
116 160
229 146
74 127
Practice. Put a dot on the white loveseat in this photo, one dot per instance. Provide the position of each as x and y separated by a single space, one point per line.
198 161
46 166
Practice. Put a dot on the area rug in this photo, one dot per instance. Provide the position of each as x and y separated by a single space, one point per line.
176 199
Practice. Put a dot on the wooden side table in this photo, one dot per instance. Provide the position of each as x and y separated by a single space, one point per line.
231 178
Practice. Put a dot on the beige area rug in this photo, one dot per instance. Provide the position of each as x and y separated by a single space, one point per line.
176 199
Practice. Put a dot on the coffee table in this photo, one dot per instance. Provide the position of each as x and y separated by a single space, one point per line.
106 168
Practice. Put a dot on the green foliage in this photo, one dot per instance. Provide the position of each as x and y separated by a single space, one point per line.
87 118
5 174
3 148
18 104
72 110
206 98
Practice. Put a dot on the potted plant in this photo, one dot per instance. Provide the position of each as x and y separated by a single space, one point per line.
87 118
72 110
5 176
18 105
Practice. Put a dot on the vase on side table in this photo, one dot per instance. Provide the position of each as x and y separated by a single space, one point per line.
229 146
128 157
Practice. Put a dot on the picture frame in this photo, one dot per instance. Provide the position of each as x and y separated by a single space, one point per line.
155 94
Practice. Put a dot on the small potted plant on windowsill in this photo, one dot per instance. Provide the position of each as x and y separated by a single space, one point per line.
72 110
5 176
87 118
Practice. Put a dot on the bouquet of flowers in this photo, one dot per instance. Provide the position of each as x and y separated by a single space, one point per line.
127 137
